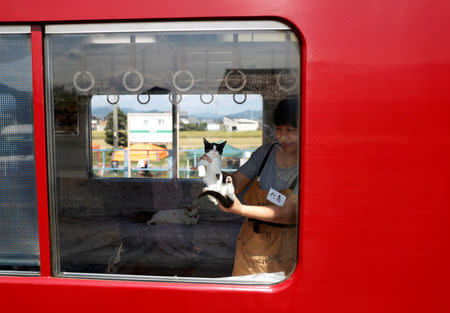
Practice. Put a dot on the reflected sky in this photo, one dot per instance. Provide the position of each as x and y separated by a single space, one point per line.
221 104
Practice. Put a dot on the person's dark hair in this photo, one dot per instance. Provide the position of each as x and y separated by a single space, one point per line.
286 112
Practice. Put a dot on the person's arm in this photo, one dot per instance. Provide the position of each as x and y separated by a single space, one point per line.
287 214
240 181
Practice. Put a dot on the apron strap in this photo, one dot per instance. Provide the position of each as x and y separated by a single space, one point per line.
294 182
261 167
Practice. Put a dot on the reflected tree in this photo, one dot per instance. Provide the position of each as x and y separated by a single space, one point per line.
122 129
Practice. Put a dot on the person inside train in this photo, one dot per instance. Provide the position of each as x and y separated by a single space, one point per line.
268 237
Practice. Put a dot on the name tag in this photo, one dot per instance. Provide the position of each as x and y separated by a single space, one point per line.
275 197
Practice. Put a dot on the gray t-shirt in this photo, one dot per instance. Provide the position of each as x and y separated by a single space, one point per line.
272 176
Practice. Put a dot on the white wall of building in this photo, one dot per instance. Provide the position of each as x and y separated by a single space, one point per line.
240 124
213 126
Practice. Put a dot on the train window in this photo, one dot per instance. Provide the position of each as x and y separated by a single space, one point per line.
237 123
150 133
19 242
132 108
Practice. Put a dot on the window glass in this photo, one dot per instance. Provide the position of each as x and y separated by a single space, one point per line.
19 242
237 123
149 131
131 110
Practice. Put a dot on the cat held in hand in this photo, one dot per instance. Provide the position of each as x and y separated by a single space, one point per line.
216 186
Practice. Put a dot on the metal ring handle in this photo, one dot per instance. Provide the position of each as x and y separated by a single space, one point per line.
143 102
239 88
278 79
207 102
239 102
141 80
176 100
111 101
174 80
75 81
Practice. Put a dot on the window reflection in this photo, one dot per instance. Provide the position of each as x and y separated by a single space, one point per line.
19 244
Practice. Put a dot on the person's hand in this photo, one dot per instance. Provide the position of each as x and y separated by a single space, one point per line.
205 157
236 208
202 168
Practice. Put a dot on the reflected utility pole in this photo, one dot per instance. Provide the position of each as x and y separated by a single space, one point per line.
115 127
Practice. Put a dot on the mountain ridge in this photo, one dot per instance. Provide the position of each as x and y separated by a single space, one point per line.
248 114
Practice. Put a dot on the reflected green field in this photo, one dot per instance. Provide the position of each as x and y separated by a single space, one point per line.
194 139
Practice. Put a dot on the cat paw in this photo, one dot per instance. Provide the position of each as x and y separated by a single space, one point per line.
229 180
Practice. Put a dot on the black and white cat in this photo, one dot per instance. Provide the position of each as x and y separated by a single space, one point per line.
214 151
216 186
222 191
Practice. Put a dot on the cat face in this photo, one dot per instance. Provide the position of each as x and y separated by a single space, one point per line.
213 146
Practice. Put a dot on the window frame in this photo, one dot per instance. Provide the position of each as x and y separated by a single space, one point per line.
175 26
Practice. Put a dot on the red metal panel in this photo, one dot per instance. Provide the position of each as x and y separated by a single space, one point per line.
40 148
375 226
51 10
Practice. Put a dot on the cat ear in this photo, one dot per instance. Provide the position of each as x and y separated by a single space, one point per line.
205 141
221 146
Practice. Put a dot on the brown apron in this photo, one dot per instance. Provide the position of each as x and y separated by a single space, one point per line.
265 247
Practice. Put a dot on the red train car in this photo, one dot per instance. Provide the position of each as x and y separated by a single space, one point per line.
103 106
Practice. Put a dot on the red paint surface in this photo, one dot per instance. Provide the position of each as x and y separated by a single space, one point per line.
40 148
375 201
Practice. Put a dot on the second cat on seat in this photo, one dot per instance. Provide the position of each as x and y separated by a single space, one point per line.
189 216
216 187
